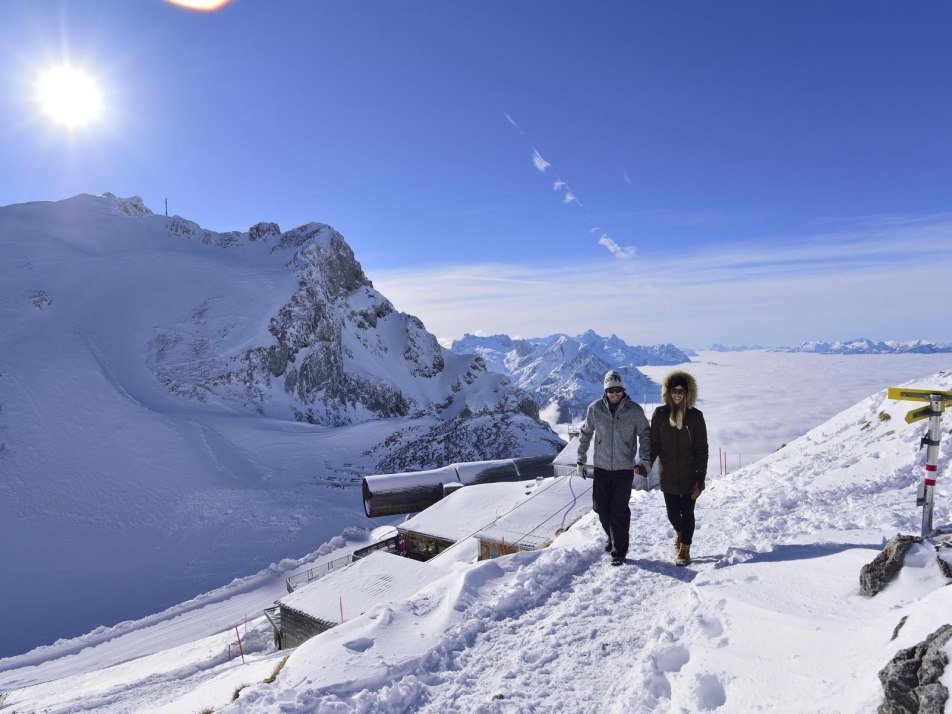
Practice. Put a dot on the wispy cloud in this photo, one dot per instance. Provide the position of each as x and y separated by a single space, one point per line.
540 163
513 122
569 197
823 286
625 253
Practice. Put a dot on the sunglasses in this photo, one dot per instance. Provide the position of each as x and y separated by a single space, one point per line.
615 390
679 390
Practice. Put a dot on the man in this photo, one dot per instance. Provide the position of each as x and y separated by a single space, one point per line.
615 421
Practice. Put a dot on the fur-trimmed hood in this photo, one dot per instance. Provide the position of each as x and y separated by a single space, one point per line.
690 399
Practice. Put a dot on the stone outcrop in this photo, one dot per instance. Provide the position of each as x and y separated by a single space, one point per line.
911 679
875 576
479 438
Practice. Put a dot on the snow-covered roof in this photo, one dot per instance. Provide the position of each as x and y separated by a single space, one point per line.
569 455
552 507
468 510
377 579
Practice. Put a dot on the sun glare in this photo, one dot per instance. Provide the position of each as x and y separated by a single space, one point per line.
201 4
69 96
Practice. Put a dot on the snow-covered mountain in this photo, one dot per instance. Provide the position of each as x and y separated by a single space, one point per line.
180 406
864 346
861 346
774 588
563 373
718 347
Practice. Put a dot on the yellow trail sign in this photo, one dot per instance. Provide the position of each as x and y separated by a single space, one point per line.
917 395
921 413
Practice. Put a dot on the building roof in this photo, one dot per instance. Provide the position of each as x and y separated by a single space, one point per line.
377 579
538 518
568 456
468 510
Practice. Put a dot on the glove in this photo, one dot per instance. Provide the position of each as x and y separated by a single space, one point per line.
581 470
640 470
696 491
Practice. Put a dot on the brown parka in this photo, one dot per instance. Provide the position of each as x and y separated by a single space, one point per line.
683 451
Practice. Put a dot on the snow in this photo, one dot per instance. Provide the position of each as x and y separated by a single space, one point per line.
467 510
376 579
553 506
768 617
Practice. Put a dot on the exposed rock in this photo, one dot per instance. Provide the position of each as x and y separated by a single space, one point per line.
40 299
278 356
134 206
875 576
902 622
263 231
943 546
911 679
487 437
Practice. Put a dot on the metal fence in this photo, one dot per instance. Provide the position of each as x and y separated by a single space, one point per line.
297 580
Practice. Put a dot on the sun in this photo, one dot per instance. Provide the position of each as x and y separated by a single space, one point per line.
201 4
69 96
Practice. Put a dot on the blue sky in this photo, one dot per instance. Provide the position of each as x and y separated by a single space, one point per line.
733 171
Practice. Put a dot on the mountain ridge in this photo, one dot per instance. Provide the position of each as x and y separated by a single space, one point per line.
564 373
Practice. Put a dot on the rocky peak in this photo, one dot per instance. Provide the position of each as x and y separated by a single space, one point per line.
263 231
134 206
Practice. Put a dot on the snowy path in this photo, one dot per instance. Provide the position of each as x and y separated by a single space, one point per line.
608 635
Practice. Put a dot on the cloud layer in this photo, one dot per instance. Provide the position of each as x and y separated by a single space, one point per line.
874 281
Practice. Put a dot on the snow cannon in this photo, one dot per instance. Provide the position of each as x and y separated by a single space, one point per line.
414 491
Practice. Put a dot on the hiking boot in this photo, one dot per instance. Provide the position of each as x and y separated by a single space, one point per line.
617 560
677 541
684 554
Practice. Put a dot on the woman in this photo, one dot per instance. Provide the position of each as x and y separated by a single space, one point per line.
679 440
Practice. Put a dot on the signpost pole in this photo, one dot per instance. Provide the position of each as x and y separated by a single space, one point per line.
931 443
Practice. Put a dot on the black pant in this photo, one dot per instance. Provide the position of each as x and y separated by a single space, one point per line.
611 491
681 514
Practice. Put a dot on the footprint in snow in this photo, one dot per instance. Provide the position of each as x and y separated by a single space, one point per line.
361 644
671 658
709 692
711 626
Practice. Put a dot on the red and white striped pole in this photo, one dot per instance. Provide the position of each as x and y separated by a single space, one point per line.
931 442
240 647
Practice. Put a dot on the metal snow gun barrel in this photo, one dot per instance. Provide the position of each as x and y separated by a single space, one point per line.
937 401
413 491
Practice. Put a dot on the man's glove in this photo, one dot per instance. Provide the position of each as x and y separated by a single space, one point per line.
581 470
643 469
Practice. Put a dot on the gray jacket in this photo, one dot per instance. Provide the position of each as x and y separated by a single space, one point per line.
615 435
